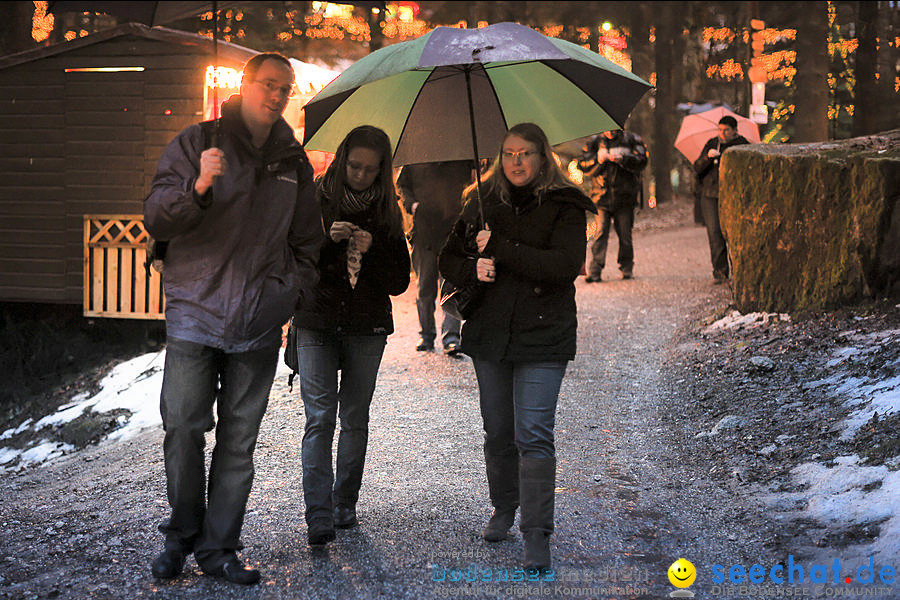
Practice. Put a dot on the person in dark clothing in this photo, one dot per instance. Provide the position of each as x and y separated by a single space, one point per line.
522 331
243 231
344 325
707 169
432 194
614 161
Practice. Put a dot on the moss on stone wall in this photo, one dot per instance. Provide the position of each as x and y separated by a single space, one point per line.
812 226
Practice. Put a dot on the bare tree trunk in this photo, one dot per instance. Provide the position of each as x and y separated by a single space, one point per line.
15 27
641 119
888 28
811 81
865 93
376 35
665 104
641 65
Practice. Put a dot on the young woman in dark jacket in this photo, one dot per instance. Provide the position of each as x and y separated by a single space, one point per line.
344 326
521 334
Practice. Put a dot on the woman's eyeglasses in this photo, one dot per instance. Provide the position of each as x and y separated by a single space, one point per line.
520 155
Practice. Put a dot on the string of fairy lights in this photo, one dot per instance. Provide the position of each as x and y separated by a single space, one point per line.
339 22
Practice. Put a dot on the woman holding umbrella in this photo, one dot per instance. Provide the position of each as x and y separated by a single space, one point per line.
344 326
521 334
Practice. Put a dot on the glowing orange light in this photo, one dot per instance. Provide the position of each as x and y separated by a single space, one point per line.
41 22
552 30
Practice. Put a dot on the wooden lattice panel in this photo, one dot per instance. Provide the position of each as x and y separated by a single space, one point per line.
117 281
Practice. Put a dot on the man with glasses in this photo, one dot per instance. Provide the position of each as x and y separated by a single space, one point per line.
614 161
235 201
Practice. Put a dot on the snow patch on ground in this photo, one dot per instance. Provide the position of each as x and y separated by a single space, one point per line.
133 385
847 493
735 320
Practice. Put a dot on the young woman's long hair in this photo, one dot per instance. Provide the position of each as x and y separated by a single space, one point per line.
333 181
550 177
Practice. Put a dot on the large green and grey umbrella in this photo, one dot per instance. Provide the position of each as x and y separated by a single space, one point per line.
453 93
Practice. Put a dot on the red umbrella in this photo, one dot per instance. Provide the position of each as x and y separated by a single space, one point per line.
698 128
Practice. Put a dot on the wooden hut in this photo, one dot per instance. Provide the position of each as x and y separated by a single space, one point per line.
82 125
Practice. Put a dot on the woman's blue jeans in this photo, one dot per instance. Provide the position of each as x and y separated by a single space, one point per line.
321 356
518 406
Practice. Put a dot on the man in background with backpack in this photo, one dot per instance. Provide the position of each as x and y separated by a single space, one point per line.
614 161
243 232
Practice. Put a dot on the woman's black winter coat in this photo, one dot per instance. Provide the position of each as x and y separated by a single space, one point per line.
528 313
365 309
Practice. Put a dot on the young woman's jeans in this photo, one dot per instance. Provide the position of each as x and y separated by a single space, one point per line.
518 406
321 355
208 520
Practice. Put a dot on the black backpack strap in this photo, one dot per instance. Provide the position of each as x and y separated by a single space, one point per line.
156 250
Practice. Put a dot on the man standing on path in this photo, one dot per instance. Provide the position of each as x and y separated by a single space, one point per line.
432 194
707 168
614 161
235 202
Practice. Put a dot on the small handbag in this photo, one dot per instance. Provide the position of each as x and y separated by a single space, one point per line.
459 302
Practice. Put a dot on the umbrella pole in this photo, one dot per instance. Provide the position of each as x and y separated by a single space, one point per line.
474 146
215 9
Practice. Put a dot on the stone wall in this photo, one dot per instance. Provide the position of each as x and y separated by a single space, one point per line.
812 226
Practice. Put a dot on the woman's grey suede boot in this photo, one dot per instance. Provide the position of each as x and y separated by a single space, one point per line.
503 485
537 489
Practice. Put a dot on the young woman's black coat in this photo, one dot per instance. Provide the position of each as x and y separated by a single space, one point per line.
365 309
538 244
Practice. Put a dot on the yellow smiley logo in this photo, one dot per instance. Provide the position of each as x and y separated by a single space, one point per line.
682 573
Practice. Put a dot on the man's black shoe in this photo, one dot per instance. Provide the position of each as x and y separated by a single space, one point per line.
320 532
452 349
345 516
169 564
593 278
233 571
424 346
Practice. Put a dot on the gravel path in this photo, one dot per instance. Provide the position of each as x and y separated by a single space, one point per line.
629 501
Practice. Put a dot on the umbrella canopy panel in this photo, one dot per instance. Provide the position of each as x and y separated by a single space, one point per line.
418 93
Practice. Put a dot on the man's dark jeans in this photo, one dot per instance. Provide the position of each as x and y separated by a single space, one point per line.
321 355
425 265
518 406
623 222
195 377
718 250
